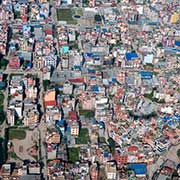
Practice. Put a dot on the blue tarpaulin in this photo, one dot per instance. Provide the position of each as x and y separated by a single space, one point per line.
101 123
131 55
93 77
95 88
89 54
146 73
105 30
177 43
29 65
114 80
166 118
91 71
176 117
170 123
106 154
77 67
60 123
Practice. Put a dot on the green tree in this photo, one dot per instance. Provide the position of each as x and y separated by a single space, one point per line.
1 98
2 116
17 14
97 18
73 154
178 153
3 63
112 145
2 152
46 84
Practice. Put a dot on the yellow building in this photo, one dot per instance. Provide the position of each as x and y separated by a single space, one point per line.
174 17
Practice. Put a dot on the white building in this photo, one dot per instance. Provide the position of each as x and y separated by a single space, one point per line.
111 171
50 60
11 117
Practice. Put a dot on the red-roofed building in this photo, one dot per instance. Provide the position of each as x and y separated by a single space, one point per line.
24 18
77 80
48 32
1 76
14 62
3 48
119 93
50 103
73 115
133 149
121 159
50 98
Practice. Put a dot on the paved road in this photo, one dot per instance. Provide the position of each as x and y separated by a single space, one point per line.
42 126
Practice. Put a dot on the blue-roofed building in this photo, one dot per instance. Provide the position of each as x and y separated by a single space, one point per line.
69 130
89 54
77 67
153 23
17 7
96 57
92 77
104 30
60 122
37 26
95 88
166 118
61 126
146 74
98 28
29 65
171 123
26 27
114 80
106 154
42 16
23 1
176 117
131 55
101 124
139 169
64 49
91 71
59 87
177 43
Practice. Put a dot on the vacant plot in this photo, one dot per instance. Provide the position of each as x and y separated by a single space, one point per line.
73 154
83 137
66 15
86 113
17 134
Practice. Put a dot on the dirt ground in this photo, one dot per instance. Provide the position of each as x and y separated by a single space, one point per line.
21 146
